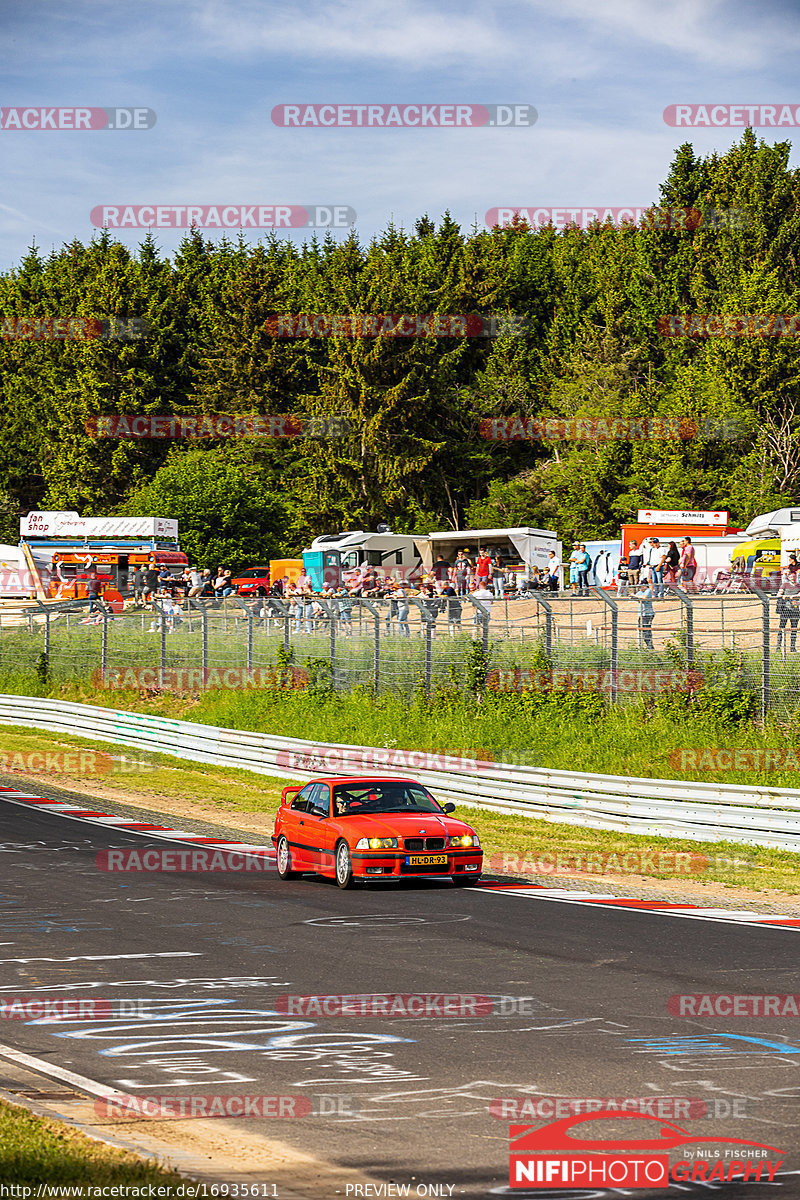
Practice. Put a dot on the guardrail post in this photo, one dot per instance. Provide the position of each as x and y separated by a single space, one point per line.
766 681
612 604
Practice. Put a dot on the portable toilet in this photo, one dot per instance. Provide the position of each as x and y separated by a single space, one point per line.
323 566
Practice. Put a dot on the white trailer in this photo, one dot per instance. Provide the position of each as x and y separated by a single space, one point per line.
521 548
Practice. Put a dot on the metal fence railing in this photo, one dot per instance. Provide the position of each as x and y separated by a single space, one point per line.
740 643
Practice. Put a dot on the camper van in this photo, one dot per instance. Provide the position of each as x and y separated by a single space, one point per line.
337 558
784 524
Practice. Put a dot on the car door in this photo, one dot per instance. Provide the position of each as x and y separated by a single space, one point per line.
293 824
316 831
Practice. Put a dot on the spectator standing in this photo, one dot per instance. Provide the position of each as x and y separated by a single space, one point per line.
344 607
553 571
498 575
454 608
391 607
623 574
401 596
635 563
441 570
150 582
573 566
461 573
584 566
195 583
646 613
485 597
483 570
788 608
655 564
138 586
93 591
672 561
687 564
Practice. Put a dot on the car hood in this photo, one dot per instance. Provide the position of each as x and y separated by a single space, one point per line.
402 824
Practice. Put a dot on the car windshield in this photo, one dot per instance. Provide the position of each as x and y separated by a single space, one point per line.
382 797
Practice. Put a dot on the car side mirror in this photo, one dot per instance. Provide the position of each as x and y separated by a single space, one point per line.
448 808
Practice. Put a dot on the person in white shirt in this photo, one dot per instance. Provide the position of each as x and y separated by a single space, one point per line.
655 564
485 597
553 571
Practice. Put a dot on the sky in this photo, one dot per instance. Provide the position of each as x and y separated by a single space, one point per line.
599 74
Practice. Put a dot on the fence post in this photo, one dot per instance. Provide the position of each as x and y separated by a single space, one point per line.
766 682
201 608
248 613
163 667
688 609
376 614
548 623
103 646
612 604
47 634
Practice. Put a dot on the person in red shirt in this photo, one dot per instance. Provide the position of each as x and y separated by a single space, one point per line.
483 569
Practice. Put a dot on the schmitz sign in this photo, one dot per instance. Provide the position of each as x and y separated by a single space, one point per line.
69 524
682 517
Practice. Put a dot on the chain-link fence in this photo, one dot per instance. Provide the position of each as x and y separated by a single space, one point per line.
595 642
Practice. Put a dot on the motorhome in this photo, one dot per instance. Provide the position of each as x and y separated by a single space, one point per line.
783 523
337 558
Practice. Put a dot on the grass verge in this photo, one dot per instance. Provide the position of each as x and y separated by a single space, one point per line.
34 1150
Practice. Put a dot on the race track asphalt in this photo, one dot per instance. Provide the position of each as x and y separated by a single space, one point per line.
211 955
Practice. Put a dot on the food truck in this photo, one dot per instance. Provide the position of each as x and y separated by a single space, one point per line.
57 550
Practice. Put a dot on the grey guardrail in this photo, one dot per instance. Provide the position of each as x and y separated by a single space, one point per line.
767 817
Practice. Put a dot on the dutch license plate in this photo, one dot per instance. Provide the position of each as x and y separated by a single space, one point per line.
426 860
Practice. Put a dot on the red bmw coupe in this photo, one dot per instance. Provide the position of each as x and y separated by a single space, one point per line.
362 829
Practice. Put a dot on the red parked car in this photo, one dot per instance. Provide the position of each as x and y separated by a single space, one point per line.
372 828
255 581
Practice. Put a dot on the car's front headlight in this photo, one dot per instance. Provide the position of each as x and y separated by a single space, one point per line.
464 840
376 844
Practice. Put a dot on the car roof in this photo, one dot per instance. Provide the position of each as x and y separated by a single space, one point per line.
366 779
